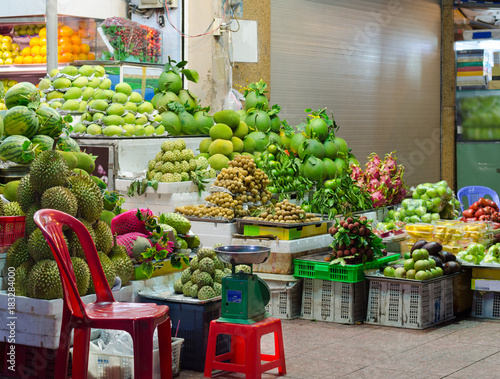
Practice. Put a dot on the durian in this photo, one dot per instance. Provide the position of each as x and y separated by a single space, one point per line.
88 196
61 199
82 275
103 237
44 281
26 195
49 169
17 253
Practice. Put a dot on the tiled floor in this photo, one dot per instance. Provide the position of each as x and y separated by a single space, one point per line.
463 348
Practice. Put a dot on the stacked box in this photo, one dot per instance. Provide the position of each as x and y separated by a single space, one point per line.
409 304
286 295
473 69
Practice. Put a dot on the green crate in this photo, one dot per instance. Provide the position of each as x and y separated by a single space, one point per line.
315 267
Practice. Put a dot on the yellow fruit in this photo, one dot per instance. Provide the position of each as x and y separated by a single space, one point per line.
26 51
1 61
34 41
6 39
6 54
8 61
18 59
37 59
14 47
42 32
28 59
5 46
43 50
35 50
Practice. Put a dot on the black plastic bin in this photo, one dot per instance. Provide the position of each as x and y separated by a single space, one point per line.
191 321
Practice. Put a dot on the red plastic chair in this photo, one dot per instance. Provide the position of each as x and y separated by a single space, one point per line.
138 319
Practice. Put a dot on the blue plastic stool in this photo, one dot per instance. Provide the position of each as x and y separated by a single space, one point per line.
474 193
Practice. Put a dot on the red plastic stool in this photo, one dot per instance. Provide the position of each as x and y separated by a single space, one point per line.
246 360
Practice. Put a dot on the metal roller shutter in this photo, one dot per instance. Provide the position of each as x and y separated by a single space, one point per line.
375 64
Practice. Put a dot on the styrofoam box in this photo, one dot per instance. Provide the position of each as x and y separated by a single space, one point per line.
286 295
211 232
340 302
156 284
280 261
38 322
486 304
407 305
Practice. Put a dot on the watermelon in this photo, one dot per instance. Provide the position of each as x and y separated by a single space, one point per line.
50 121
21 94
11 148
20 120
66 143
44 142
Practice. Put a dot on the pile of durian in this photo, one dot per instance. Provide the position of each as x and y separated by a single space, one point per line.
51 184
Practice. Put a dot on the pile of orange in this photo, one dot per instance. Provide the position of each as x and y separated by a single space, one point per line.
70 47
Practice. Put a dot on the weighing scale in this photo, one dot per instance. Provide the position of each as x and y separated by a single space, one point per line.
244 296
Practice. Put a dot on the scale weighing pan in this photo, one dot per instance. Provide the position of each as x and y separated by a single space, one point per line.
243 254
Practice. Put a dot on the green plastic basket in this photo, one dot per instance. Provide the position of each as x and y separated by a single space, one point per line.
315 267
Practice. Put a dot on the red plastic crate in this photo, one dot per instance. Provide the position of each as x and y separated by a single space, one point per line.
11 228
30 362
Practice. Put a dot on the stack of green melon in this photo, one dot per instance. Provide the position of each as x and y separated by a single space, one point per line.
120 113
71 88
27 120
228 138
51 184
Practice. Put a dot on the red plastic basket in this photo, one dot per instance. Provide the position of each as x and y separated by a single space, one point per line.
11 228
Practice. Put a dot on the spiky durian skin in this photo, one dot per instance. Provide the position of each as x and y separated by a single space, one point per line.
122 263
48 169
38 247
17 253
82 274
26 195
21 278
44 281
88 196
12 209
30 225
61 199
103 237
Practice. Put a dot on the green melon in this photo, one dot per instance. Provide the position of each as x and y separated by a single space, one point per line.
11 148
66 143
20 120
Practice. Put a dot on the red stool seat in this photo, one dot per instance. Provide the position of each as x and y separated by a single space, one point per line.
247 360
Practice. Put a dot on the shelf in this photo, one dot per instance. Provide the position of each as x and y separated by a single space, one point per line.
16 69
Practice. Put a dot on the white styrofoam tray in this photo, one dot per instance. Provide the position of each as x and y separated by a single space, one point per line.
289 247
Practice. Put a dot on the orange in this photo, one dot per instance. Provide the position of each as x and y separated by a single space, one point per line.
66 31
67 48
34 41
42 33
44 59
28 59
75 40
43 41
84 48
67 57
26 51
43 50
91 56
82 24
81 57
76 49
35 50
64 40
18 60
59 50
59 58
37 59
14 47
82 33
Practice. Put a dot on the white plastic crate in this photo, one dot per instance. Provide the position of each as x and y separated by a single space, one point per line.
38 321
280 260
419 305
286 295
107 366
486 304
340 302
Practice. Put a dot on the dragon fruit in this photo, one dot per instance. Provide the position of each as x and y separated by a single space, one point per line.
384 180
128 222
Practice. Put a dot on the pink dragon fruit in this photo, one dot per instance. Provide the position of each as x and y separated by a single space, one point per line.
356 172
378 199
128 222
389 164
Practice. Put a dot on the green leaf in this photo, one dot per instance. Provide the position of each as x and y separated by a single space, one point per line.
191 75
147 268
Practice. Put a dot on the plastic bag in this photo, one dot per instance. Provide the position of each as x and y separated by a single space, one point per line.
233 100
